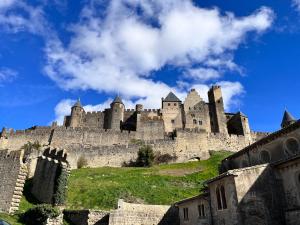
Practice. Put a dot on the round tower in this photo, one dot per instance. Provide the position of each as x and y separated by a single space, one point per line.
117 113
77 112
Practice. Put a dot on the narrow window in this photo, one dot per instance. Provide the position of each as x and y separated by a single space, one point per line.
224 203
169 104
218 198
172 121
201 211
175 104
195 121
185 213
200 122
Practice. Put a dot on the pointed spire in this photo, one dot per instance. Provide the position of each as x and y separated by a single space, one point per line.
287 120
78 103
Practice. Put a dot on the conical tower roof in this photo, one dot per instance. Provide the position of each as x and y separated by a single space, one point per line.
117 100
78 103
172 98
287 119
241 114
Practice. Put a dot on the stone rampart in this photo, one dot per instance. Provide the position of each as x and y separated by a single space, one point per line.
50 166
12 178
137 214
14 140
64 137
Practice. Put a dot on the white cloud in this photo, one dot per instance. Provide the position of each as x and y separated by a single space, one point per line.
120 51
6 3
7 75
16 16
203 74
296 4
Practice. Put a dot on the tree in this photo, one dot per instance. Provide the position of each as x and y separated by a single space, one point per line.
145 156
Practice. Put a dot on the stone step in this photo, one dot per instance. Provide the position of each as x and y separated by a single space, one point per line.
16 201
21 181
20 185
19 189
18 192
17 197
22 176
14 204
13 209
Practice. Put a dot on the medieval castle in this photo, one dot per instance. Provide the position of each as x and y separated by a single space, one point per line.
252 189
186 130
194 113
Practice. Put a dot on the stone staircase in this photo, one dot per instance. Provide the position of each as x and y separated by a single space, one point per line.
18 192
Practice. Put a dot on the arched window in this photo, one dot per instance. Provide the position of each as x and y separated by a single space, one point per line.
195 121
292 146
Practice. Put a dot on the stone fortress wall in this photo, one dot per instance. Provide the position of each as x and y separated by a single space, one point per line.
112 148
186 130
13 174
50 166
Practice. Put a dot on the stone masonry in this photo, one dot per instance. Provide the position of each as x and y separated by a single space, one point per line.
13 174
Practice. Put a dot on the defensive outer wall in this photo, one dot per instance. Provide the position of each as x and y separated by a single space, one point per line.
12 179
112 148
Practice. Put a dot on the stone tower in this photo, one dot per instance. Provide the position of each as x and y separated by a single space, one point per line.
217 114
196 112
117 113
77 113
287 120
172 112
239 124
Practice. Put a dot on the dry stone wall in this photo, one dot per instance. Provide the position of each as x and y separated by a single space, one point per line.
12 178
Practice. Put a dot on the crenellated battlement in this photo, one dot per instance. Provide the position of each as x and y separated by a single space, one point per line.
129 110
93 113
11 155
57 154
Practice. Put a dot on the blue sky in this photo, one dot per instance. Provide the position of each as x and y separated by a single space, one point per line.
52 52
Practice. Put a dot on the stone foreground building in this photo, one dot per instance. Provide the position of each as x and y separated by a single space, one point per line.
259 185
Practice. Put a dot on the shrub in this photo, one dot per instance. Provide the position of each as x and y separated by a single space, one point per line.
40 214
60 187
145 156
82 162
164 158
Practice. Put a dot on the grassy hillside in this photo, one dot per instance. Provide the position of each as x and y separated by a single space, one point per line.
100 188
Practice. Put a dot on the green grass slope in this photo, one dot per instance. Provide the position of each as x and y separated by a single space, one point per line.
100 188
